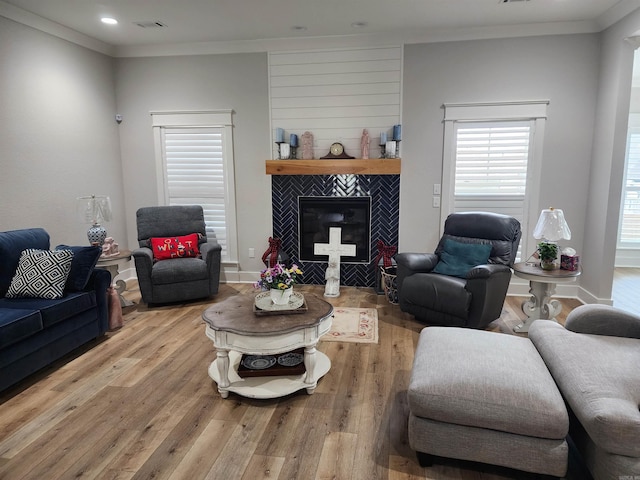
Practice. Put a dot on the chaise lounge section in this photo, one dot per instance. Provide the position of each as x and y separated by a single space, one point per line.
595 361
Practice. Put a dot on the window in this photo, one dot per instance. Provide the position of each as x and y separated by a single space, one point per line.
491 161
195 167
629 229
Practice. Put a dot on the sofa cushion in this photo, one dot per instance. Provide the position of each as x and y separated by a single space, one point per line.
600 380
12 243
18 323
83 263
41 274
458 258
54 311
177 270
440 293
175 247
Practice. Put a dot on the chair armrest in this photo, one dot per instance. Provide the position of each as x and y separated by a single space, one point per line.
410 263
488 285
603 320
143 258
211 252
486 271
417 262
143 253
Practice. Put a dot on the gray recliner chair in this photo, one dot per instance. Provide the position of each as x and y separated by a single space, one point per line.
175 279
474 295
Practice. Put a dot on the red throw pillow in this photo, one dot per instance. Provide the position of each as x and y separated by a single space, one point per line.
175 247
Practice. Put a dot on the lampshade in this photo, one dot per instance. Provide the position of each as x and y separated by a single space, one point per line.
95 209
552 226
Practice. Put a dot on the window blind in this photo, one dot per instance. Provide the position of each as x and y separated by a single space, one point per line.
195 175
630 221
491 160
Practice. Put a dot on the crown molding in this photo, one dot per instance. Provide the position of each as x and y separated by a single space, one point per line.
360 40
52 28
616 13
611 16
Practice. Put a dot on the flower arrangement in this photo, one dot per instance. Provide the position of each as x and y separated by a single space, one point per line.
278 277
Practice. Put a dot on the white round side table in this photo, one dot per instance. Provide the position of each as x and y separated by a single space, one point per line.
542 288
111 264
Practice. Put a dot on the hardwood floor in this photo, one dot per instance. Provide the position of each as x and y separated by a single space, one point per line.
139 405
626 284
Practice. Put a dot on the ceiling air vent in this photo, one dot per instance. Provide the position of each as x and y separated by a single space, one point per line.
150 24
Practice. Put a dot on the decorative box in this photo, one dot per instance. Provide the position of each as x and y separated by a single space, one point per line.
569 262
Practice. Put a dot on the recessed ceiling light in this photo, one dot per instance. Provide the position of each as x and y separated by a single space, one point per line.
109 20
299 28
359 24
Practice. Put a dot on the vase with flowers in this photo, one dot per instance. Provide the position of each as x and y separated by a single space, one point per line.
279 280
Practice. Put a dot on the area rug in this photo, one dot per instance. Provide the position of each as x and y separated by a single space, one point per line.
356 325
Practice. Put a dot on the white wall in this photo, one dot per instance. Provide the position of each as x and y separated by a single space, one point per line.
603 203
208 82
58 138
561 69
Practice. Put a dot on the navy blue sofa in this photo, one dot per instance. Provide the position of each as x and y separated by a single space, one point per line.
34 332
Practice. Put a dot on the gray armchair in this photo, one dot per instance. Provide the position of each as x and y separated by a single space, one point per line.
474 298
175 279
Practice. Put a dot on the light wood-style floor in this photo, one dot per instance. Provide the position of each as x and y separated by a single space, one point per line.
626 285
140 405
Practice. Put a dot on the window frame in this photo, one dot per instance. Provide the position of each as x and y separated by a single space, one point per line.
633 130
534 111
221 119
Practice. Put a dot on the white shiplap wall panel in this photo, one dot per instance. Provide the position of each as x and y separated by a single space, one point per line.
331 56
337 78
330 90
336 101
333 112
335 94
338 68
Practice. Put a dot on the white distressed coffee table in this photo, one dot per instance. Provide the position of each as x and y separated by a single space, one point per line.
236 330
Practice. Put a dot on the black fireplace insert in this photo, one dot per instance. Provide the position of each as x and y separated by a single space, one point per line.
351 214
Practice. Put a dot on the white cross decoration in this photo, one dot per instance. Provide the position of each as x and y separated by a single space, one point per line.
335 249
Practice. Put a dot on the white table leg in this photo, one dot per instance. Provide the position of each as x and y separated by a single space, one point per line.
310 365
222 360
540 305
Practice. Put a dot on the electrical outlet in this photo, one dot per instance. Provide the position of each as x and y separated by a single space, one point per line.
436 201
252 253
436 189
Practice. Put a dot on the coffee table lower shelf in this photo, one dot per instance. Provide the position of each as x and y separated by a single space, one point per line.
268 386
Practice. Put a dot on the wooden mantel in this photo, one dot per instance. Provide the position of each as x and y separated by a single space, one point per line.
358 166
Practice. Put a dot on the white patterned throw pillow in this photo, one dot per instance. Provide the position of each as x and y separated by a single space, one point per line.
41 274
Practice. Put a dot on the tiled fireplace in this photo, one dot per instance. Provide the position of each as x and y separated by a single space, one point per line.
384 191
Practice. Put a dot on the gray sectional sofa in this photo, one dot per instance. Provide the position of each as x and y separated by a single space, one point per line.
511 401
36 331
595 361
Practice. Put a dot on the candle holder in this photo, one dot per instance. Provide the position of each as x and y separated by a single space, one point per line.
294 152
279 152
397 155
382 150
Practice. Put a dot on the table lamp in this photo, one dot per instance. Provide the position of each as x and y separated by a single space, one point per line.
95 209
550 228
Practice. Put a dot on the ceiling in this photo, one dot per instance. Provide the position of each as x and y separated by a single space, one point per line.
257 21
